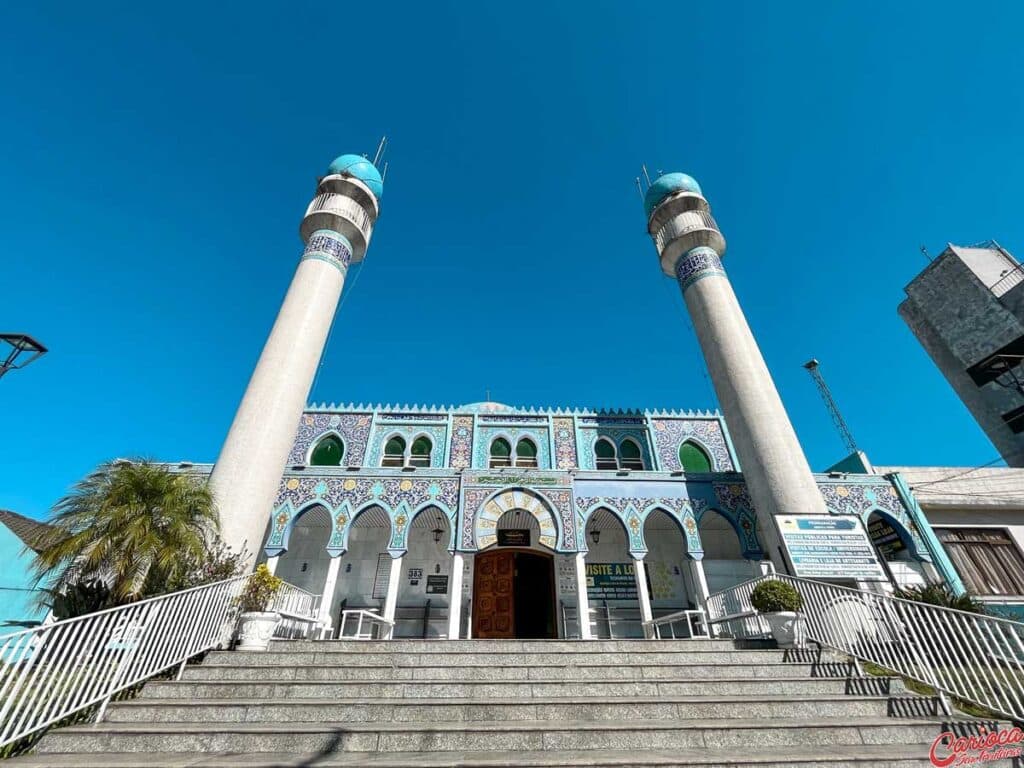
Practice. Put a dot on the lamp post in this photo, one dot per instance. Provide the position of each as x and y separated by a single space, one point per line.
23 350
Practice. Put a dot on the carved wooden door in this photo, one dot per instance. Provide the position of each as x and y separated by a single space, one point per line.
494 609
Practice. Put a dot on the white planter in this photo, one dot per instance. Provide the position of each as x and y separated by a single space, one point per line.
786 627
255 630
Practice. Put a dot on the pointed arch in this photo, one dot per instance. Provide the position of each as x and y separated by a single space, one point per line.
526 453
693 457
500 453
631 455
394 451
327 451
605 453
487 516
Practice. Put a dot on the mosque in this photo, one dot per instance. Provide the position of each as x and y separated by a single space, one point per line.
491 521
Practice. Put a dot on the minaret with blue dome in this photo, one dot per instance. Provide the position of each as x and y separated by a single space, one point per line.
690 246
336 231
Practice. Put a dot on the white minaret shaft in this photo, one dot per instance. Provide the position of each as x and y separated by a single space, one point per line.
773 464
336 229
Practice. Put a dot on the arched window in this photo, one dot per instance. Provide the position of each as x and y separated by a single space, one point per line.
526 453
328 452
501 453
693 458
419 455
630 456
604 452
394 453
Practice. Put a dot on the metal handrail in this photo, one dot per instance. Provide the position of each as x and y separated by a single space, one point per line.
293 600
974 657
693 618
369 616
55 670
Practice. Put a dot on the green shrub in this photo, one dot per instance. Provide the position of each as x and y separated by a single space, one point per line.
776 596
942 596
78 598
259 591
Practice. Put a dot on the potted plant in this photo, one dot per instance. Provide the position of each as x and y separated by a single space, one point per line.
256 624
779 603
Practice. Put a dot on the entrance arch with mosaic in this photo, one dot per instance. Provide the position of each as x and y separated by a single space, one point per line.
486 520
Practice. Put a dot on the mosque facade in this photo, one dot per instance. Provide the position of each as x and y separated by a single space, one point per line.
487 520
491 521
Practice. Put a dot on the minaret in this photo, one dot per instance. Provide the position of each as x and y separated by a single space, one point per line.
690 245
336 230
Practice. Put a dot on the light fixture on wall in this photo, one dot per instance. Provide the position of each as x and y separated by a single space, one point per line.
437 531
437 567
595 535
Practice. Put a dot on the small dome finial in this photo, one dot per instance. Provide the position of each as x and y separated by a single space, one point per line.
667 184
360 168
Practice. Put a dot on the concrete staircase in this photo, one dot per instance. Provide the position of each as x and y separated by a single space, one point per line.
511 703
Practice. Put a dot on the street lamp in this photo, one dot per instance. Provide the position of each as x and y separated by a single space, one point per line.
24 349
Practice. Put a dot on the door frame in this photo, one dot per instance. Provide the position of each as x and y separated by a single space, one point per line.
549 556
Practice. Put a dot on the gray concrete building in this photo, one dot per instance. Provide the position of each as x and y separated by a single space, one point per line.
967 310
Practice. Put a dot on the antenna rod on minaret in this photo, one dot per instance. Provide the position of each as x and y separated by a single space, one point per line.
830 403
646 175
380 149
639 189
384 173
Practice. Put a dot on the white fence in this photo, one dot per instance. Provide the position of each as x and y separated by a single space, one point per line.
50 672
977 658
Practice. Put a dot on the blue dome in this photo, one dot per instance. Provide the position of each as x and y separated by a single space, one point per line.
362 169
666 185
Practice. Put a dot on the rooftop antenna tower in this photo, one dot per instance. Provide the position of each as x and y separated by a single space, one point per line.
812 367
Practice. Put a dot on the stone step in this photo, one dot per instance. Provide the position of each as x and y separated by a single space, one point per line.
513 673
469 710
748 756
515 646
559 658
487 736
599 689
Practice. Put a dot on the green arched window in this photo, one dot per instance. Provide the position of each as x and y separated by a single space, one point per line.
501 453
604 453
420 452
328 452
630 456
394 453
526 453
693 458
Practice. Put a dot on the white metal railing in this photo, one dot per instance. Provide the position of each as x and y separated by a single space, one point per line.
379 627
50 672
293 600
696 623
976 658
55 670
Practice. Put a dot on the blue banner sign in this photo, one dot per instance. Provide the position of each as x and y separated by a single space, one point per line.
829 547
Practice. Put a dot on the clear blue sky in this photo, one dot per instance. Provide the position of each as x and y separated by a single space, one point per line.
158 158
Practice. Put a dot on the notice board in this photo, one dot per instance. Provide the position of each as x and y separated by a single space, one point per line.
829 547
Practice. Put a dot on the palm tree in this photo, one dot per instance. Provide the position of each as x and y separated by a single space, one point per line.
133 524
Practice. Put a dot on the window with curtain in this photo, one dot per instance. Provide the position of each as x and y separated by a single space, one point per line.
328 452
526 453
501 453
693 459
394 453
987 559
419 454
630 456
605 455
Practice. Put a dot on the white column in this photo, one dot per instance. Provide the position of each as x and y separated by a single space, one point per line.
394 582
700 582
272 563
640 572
455 597
582 601
246 477
327 595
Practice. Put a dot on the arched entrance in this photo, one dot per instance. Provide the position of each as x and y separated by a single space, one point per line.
514 583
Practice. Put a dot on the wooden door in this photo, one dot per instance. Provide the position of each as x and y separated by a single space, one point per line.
494 607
